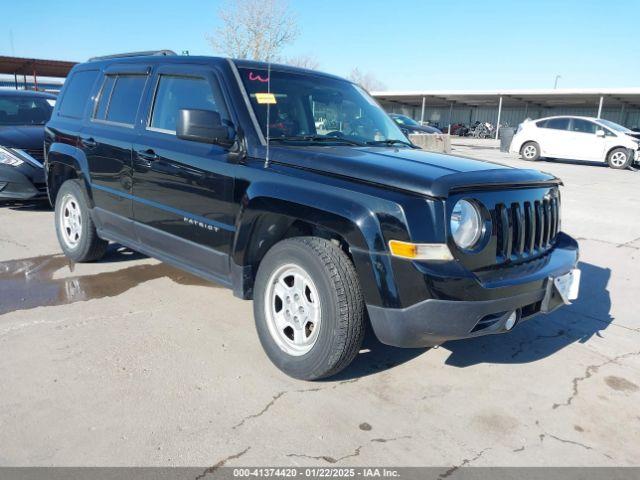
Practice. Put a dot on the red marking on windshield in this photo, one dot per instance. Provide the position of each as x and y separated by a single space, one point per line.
257 78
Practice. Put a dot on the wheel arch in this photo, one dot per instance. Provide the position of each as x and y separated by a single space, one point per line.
611 149
66 162
269 215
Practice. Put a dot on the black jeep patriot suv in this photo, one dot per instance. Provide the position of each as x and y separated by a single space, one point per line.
295 189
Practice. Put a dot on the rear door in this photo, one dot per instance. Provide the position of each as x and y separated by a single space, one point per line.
183 189
554 137
108 139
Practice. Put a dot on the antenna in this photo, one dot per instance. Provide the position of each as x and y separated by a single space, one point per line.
266 158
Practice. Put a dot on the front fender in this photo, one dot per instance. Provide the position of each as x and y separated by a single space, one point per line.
269 209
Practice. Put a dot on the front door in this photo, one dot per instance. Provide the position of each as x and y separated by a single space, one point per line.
586 144
182 190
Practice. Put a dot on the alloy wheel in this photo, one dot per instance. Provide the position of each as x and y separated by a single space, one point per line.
529 151
618 159
292 309
70 221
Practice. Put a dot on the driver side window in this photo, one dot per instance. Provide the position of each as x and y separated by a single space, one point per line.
176 92
583 126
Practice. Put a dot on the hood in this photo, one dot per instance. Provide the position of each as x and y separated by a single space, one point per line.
635 135
420 128
24 137
418 171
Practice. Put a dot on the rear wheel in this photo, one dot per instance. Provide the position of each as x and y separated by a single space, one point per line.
308 308
530 151
619 158
74 227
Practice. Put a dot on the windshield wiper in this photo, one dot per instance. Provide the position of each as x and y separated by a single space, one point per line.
316 138
391 141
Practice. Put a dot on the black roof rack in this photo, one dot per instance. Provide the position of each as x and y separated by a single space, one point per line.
148 53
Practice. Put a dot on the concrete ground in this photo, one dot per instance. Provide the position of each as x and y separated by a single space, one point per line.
130 362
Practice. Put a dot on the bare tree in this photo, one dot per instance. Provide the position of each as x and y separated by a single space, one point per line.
303 61
254 29
368 80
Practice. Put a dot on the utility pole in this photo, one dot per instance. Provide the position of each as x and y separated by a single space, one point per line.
555 83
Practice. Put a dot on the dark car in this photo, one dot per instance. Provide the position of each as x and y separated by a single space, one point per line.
408 125
23 115
295 189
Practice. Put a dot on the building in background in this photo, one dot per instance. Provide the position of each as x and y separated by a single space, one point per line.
511 107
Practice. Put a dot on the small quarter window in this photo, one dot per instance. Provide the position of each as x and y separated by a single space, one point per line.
77 93
105 95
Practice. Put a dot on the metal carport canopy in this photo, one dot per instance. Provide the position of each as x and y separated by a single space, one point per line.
544 97
34 66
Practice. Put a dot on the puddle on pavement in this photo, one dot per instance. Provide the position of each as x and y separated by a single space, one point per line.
29 282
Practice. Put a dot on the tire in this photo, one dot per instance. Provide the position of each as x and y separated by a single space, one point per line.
74 227
530 151
619 158
330 330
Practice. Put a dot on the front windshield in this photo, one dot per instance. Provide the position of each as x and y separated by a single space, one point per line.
615 126
306 108
19 110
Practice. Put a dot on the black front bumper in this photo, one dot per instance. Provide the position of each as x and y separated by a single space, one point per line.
434 321
18 183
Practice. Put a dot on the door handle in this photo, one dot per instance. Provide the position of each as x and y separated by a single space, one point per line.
88 142
148 155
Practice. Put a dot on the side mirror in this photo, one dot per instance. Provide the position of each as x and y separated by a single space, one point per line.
600 133
203 126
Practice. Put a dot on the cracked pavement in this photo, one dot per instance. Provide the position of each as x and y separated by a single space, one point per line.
130 363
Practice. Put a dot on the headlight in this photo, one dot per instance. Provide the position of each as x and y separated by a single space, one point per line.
466 224
8 158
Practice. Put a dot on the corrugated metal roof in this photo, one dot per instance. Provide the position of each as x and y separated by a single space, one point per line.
31 66
512 97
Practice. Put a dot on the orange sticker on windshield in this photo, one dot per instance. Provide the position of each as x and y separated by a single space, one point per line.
266 98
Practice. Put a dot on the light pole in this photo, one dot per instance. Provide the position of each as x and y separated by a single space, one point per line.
555 83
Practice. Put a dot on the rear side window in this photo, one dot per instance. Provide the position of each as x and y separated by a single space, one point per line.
558 124
177 92
119 98
77 93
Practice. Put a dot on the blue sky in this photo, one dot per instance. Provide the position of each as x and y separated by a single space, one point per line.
481 44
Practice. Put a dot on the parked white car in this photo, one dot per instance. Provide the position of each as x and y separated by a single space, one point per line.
576 138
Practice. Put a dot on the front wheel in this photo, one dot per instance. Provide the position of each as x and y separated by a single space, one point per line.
619 158
308 308
530 151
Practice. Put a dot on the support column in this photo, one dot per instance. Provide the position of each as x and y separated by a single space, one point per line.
450 115
499 115
600 106
424 100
